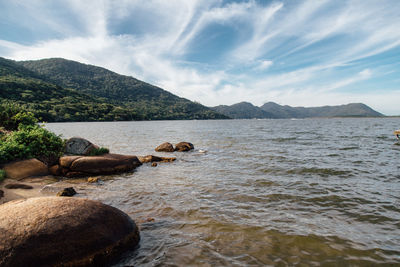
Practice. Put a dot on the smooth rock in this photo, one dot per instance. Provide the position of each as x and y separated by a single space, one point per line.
66 161
165 147
25 168
151 158
55 170
79 146
184 146
93 179
18 186
105 164
67 192
54 231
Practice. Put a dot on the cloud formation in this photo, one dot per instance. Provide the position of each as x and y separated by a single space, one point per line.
301 53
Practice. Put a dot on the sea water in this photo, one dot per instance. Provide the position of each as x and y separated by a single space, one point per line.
256 192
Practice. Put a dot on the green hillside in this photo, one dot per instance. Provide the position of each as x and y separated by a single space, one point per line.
148 101
108 98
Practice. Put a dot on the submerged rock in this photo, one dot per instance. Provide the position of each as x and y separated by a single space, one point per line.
25 168
79 146
67 192
52 231
151 158
165 147
184 146
18 186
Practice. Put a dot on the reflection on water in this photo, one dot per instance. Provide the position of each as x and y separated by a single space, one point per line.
266 192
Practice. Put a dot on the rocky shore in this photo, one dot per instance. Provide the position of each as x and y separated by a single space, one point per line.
42 229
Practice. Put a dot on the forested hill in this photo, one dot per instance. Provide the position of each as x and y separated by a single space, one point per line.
272 110
63 90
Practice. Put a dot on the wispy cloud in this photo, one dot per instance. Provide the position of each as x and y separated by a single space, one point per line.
284 51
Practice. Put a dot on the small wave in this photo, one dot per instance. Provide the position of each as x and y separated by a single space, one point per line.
349 148
324 172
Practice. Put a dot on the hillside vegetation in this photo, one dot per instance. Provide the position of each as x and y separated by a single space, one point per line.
60 90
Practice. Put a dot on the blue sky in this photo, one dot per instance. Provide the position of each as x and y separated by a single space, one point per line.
298 53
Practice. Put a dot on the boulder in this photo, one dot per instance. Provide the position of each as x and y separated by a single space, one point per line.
79 146
184 146
25 168
55 170
73 166
67 192
18 186
58 231
165 147
151 158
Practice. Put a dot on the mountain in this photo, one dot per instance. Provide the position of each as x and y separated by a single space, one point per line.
63 90
242 110
245 110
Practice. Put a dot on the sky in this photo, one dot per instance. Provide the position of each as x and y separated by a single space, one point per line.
298 53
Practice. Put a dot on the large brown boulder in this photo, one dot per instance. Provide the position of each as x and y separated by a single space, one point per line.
184 146
59 231
25 168
105 164
165 147
79 146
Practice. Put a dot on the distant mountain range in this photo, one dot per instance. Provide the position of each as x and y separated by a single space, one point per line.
62 90
57 89
271 110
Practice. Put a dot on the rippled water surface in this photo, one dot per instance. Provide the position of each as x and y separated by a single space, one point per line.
266 192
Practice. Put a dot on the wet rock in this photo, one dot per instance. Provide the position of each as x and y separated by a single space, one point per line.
1 193
93 179
79 146
151 158
55 170
25 168
184 146
105 164
67 192
154 164
165 147
51 231
18 186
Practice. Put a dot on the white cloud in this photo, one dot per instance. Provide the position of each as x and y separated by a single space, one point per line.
288 52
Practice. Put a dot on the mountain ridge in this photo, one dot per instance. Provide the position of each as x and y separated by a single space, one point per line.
272 110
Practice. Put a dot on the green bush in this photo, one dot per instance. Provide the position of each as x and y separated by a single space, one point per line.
2 175
29 142
14 115
99 151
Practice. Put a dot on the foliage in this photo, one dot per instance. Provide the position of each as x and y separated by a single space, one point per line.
99 151
2 175
13 115
28 142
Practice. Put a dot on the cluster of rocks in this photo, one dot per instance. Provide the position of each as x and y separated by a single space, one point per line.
62 231
181 147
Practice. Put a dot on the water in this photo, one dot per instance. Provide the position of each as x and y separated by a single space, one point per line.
267 192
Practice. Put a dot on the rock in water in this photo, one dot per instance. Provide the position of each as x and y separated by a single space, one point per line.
79 146
52 231
165 147
18 186
184 146
67 192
